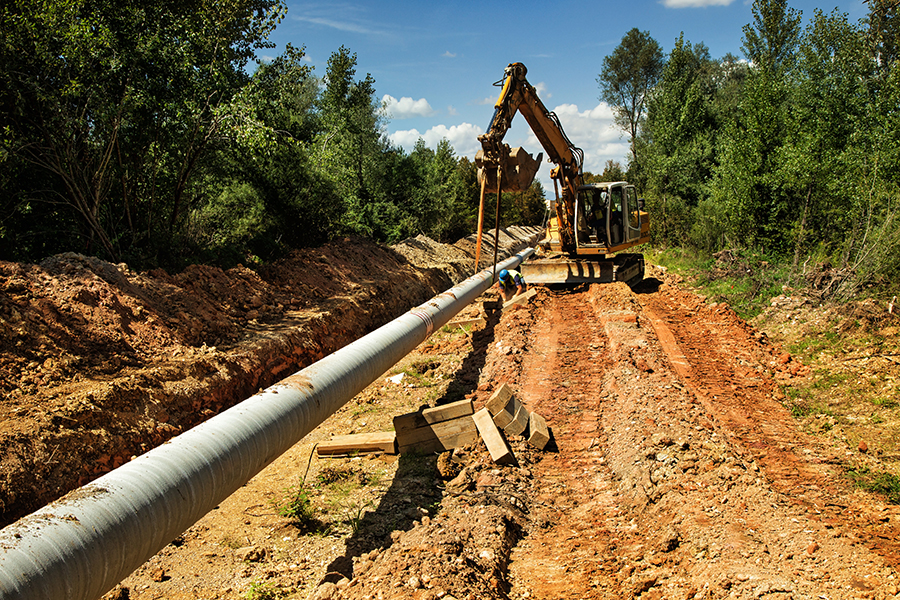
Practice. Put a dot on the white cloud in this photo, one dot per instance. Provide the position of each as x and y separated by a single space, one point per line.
541 89
451 111
463 138
406 107
448 54
591 130
694 3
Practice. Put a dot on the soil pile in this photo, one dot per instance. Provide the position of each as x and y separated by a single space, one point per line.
101 363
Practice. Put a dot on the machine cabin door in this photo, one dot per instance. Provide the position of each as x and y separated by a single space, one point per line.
632 215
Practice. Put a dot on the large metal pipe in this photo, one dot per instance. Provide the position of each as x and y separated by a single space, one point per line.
83 544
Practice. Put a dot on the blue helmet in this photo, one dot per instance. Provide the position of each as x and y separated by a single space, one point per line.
503 274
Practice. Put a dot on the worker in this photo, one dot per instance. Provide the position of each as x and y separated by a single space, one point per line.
511 284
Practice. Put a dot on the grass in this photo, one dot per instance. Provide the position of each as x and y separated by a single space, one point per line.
264 591
747 285
879 482
296 506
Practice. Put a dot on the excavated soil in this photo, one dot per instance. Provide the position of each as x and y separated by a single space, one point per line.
675 470
100 363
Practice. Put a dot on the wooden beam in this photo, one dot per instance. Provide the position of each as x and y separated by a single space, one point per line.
359 442
467 323
519 423
538 433
499 399
496 445
507 414
446 412
438 437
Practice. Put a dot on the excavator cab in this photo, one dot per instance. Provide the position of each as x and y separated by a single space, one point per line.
607 218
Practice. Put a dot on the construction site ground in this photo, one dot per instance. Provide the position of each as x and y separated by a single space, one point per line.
676 468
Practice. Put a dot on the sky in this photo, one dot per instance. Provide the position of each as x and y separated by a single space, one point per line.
435 62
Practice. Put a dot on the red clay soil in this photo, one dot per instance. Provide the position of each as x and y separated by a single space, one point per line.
100 363
674 471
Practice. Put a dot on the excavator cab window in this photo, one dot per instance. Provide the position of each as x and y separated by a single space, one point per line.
633 230
616 222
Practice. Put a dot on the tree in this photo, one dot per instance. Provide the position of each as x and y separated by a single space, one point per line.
678 148
628 75
770 42
351 145
113 107
756 203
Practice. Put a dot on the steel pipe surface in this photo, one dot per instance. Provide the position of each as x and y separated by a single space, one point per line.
83 544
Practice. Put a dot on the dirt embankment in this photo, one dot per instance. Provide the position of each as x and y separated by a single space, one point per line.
100 363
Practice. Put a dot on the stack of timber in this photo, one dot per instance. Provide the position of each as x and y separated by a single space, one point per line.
510 415
436 429
451 426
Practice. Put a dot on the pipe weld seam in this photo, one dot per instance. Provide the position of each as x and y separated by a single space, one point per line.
425 316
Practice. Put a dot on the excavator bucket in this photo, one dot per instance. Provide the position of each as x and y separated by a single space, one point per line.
517 165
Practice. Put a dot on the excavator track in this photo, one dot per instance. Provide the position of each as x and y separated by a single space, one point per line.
628 268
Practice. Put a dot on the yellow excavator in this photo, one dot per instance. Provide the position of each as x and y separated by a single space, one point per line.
590 222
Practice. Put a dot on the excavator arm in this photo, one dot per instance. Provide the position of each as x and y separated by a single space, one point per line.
514 169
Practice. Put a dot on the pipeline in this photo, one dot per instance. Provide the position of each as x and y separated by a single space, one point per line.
83 544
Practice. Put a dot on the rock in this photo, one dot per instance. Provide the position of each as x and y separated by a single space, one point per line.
661 439
250 554
158 574
811 549
863 446
326 591
414 582
117 593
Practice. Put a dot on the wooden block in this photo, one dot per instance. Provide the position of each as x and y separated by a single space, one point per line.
538 433
438 437
507 413
519 422
521 298
499 399
360 442
447 412
496 445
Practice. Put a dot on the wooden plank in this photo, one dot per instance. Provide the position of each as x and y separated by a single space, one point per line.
447 412
467 323
499 399
521 298
538 433
409 421
360 442
438 437
507 413
519 422
442 444
496 445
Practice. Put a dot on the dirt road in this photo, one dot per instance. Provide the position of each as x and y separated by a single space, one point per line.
675 473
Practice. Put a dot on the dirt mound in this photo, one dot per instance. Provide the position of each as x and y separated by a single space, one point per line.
102 363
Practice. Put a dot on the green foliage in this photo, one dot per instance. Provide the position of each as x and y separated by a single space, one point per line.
264 590
295 505
111 109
